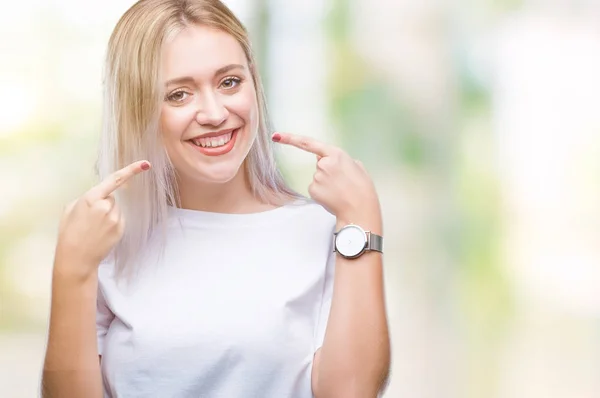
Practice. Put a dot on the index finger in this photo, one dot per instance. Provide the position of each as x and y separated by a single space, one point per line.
305 143
116 179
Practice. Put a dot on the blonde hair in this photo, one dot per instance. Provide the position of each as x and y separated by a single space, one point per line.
131 130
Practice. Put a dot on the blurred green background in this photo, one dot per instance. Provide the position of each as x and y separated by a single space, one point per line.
478 121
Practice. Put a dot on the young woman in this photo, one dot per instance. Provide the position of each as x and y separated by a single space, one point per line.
194 270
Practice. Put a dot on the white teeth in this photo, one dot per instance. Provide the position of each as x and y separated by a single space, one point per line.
213 142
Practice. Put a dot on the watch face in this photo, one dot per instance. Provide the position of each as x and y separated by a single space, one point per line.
350 241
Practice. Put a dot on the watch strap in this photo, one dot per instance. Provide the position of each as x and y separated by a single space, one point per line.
375 242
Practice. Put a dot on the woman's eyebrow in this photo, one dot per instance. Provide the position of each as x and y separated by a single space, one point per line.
189 79
228 68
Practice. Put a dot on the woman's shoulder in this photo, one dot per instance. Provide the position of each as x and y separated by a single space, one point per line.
311 206
312 212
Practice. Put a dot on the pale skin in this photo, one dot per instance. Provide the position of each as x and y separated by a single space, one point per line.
205 95
89 229
354 358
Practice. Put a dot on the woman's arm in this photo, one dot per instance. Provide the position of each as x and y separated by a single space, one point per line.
71 366
354 359
89 229
355 356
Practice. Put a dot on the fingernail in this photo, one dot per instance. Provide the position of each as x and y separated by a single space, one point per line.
276 137
145 166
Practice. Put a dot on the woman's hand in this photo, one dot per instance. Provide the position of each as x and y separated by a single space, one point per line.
92 225
340 184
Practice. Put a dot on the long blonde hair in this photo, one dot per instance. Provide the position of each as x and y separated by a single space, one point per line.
131 128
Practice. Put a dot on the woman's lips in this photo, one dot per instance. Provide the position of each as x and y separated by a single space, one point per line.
217 151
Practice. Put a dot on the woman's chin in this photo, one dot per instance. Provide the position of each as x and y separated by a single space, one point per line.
216 174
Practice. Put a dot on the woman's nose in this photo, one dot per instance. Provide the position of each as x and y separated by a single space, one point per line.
211 111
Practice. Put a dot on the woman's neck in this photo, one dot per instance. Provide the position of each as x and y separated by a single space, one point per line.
234 196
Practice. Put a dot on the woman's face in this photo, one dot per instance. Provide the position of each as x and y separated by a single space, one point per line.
209 116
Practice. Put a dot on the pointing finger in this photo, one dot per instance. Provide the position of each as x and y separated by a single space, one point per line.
115 180
305 143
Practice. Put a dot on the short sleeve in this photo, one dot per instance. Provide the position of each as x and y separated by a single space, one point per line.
104 317
326 297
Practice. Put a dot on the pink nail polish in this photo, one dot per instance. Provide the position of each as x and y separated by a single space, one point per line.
145 166
276 137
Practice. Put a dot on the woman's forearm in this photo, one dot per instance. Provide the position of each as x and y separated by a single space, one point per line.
71 366
355 356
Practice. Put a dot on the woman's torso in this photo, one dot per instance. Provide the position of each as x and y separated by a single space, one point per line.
231 309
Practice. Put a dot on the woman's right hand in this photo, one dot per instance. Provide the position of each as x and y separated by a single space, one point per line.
92 225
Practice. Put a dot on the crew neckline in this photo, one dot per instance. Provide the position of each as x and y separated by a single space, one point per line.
215 219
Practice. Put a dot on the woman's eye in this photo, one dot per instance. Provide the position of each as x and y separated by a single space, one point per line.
230 82
177 96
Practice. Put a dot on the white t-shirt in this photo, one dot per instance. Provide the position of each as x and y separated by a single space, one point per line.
236 306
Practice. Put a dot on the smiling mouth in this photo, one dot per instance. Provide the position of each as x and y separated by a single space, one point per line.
215 145
213 142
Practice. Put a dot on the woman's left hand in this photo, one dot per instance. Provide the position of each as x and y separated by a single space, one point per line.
340 183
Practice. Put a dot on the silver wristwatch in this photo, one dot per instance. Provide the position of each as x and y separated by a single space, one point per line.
352 241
